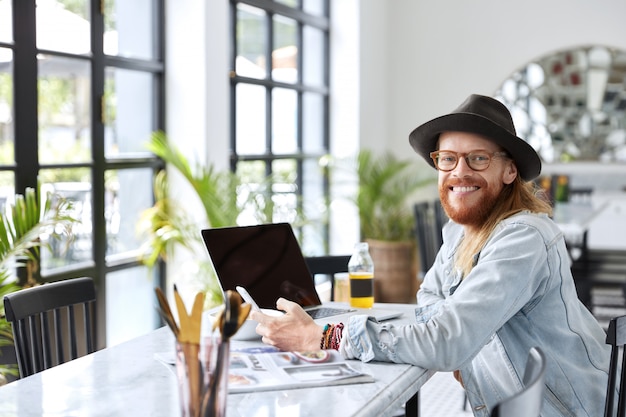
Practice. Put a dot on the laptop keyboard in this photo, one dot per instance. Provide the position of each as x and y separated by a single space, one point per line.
322 312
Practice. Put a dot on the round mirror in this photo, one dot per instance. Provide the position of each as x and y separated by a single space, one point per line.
571 105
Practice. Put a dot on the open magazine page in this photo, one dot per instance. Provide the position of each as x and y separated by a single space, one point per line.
259 370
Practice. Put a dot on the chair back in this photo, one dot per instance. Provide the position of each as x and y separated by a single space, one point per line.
328 265
527 402
429 220
45 320
616 337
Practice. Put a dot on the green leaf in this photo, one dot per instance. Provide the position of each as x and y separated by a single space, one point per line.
386 188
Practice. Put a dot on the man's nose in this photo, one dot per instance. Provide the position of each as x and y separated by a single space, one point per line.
462 168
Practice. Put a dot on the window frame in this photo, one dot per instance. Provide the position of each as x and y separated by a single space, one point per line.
25 113
302 18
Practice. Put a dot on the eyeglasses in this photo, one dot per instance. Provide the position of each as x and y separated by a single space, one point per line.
477 160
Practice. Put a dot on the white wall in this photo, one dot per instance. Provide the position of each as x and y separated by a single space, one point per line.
197 83
433 54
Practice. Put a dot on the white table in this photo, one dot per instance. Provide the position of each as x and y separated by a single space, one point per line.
127 380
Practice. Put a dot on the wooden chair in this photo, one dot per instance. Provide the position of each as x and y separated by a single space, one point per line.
328 265
616 337
45 323
526 403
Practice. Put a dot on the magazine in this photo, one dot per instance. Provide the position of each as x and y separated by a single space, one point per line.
262 369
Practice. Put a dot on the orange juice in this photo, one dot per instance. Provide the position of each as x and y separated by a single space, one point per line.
361 289
342 288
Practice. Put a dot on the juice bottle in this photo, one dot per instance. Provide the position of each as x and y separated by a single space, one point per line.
361 274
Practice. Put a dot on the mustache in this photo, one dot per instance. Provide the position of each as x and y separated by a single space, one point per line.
461 182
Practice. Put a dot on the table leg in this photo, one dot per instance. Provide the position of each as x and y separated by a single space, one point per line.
412 407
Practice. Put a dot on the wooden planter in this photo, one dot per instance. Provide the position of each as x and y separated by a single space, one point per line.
395 271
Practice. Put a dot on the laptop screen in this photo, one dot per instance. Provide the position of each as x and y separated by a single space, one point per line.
265 259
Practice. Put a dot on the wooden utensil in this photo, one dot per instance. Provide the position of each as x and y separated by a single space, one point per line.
190 326
229 322
166 312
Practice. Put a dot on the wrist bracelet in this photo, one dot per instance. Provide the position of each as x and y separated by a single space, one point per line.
331 336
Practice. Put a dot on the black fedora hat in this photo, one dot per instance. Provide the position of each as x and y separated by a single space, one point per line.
485 116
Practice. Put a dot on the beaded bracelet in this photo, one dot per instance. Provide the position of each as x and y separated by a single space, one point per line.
336 339
331 336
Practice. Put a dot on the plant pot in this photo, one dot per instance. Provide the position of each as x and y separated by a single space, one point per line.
395 271
7 357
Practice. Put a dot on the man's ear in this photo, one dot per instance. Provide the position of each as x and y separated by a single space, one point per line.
510 172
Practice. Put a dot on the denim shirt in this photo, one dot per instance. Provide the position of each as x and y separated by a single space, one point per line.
519 294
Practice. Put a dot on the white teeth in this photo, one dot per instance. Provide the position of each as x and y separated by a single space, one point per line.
464 189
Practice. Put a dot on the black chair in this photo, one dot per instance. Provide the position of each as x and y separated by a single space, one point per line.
527 402
45 320
616 337
328 265
602 271
429 220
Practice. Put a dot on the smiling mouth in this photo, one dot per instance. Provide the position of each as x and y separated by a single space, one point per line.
464 189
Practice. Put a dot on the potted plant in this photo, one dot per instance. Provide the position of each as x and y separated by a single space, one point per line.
386 191
223 195
21 227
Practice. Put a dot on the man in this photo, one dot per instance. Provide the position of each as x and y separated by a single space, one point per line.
500 285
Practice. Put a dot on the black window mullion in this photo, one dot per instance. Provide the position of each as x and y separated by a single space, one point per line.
269 34
233 86
99 240
268 128
25 95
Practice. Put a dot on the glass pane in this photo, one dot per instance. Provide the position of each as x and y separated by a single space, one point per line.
285 54
129 303
6 22
290 3
7 189
250 115
315 209
313 60
315 7
64 92
284 121
128 28
284 190
7 133
129 112
254 175
128 194
313 188
251 42
313 122
64 25
75 186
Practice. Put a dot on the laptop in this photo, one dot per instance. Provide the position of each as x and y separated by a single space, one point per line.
267 261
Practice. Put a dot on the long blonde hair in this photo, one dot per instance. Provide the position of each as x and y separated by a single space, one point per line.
515 197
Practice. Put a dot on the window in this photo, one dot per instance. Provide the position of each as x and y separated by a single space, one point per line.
81 90
280 96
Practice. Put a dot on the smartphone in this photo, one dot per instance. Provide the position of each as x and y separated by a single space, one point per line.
247 297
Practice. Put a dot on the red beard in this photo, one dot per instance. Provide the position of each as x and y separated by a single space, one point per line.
467 213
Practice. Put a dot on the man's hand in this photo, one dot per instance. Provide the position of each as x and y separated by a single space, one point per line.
293 331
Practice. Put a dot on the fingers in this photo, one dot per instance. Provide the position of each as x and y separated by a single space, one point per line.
267 341
291 309
285 305
257 316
